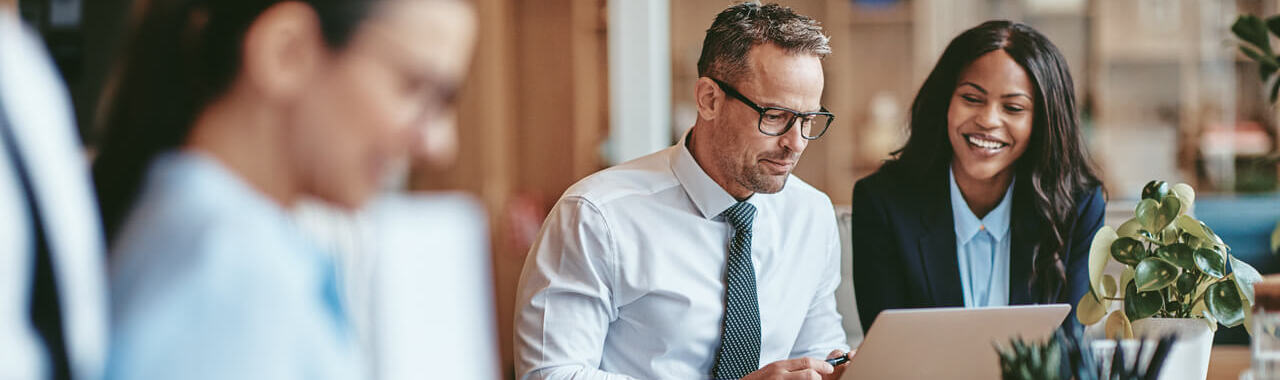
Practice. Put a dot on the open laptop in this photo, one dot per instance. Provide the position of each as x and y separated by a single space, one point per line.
948 343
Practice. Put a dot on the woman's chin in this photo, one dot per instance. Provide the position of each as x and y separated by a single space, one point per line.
985 170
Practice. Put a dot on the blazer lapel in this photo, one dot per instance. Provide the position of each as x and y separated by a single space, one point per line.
938 244
1024 228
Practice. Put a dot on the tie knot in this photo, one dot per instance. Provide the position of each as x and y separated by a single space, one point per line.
740 215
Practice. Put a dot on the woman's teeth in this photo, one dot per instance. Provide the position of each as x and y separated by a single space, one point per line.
985 144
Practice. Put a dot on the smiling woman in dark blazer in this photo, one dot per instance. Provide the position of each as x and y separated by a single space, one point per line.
992 201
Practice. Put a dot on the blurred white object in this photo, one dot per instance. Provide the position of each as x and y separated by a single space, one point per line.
846 302
432 293
38 109
639 78
1265 344
417 275
1189 358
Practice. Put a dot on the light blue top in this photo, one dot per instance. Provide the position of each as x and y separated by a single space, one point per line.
982 249
211 280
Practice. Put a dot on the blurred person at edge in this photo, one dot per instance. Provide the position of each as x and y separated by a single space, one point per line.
227 113
53 297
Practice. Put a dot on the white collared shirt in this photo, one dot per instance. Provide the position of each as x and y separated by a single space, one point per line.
627 277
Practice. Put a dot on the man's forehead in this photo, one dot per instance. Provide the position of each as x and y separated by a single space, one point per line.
788 80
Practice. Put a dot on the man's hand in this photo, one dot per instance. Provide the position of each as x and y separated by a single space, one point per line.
839 370
801 369
793 369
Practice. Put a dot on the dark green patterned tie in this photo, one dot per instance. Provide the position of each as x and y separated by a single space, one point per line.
739 352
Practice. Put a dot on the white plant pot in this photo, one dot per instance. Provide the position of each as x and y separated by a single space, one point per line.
1189 358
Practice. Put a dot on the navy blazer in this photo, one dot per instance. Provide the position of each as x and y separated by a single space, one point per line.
904 246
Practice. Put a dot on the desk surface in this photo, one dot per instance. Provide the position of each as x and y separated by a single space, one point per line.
1227 362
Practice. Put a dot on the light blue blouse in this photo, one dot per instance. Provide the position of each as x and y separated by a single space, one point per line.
211 280
982 249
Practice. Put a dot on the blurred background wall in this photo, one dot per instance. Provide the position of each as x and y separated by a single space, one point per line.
562 88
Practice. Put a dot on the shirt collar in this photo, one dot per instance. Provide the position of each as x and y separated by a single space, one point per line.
968 225
707 195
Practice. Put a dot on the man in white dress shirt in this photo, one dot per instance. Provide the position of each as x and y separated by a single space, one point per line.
706 259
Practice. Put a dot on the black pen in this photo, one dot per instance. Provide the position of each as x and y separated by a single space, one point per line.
838 360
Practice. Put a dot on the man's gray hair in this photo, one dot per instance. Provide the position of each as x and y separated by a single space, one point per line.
743 26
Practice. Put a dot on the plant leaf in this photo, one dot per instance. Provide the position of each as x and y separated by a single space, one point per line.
1248 320
1210 262
1186 195
1145 213
1266 64
1155 189
1139 305
1169 235
1208 317
1245 276
1265 71
1191 226
1190 240
1275 90
1251 29
1118 327
1099 254
1170 206
1213 237
1275 240
1223 300
1156 215
1126 276
1273 24
1128 251
1179 254
1186 283
1130 228
1155 273
1090 310
1109 286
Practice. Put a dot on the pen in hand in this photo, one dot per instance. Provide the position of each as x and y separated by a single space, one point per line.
838 360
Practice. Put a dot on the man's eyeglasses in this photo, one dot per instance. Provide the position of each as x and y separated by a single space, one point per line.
776 121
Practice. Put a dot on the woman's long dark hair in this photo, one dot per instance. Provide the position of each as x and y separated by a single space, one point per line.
183 55
1054 172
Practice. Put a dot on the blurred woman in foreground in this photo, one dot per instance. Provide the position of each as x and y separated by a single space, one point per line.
226 114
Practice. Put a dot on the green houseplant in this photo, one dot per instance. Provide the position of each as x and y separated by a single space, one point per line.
1255 33
1067 356
1027 360
1174 267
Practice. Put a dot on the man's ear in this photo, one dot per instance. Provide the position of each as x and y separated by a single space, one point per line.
709 97
283 50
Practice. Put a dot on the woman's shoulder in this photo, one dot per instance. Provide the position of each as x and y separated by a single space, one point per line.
172 249
878 183
187 225
895 182
1091 201
188 205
